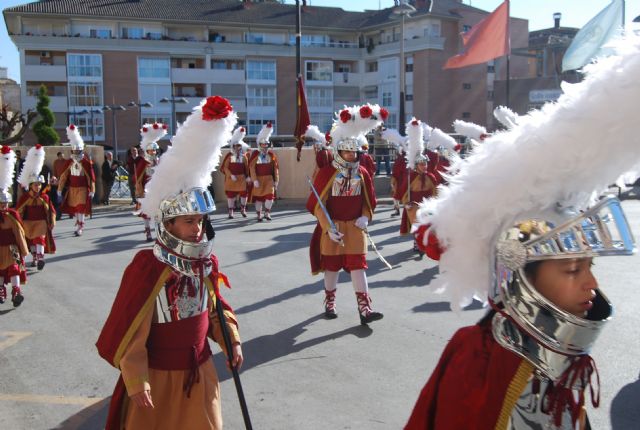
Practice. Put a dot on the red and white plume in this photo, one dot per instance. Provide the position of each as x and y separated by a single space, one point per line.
73 134
470 130
238 136
394 137
354 121
265 133
314 133
151 133
554 156
32 166
506 116
194 153
440 139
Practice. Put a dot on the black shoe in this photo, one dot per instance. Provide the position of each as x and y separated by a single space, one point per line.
330 314
267 216
373 316
40 264
76 234
17 300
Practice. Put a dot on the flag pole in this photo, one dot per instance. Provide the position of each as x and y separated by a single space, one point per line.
507 89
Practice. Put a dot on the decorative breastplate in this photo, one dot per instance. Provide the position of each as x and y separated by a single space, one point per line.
237 158
346 184
264 158
182 297
76 168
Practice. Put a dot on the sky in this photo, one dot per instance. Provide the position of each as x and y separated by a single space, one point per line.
575 13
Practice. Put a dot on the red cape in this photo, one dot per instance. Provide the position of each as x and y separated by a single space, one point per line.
475 385
322 184
399 168
141 282
49 243
367 162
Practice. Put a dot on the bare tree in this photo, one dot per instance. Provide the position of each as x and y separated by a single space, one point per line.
10 123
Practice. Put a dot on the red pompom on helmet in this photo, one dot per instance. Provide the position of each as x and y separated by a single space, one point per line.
165 127
365 111
155 126
38 146
384 114
415 122
269 125
145 129
72 127
345 115
242 130
6 149
216 107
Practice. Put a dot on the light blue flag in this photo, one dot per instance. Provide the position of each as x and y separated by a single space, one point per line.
589 41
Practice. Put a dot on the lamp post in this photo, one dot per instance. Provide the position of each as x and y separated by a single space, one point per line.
173 101
114 125
91 112
139 105
402 11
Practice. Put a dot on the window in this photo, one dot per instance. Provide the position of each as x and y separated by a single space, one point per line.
392 121
153 93
371 93
490 95
255 125
153 67
466 28
221 64
387 98
132 33
372 66
85 94
319 70
320 97
324 121
100 33
83 122
466 86
84 65
263 70
310 40
261 96
408 95
491 69
343 68
254 38
154 35
466 115
408 67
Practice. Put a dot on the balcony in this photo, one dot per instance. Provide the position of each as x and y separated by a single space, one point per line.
45 73
410 45
341 79
57 103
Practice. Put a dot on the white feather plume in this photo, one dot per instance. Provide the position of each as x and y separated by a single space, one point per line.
237 138
7 166
151 133
469 129
265 133
440 139
394 137
514 178
355 125
415 141
74 137
189 161
32 166
314 133
506 116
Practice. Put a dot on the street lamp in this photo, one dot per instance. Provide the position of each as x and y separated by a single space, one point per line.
403 10
91 112
113 109
139 105
173 101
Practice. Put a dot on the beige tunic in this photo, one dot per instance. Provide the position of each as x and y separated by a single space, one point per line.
6 253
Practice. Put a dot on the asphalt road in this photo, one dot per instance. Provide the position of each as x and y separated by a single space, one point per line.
301 371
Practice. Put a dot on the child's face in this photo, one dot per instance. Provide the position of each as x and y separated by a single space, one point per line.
4 206
186 227
35 187
568 283
348 156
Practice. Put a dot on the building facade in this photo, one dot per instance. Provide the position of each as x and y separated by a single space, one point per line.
172 54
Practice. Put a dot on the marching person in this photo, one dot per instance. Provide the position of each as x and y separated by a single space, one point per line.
528 245
265 173
344 206
365 159
442 151
79 178
145 165
399 169
419 184
157 331
37 213
235 168
13 245
58 167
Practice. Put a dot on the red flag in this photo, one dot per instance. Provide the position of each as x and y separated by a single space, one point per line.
487 40
303 120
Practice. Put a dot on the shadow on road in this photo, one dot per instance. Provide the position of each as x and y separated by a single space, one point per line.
432 307
266 349
419 279
624 407
308 289
91 418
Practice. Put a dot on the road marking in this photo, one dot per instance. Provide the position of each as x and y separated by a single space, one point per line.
12 337
57 400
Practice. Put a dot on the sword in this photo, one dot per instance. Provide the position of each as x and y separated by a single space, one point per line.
332 226
375 249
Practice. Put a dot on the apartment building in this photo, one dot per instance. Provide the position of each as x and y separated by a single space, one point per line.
170 55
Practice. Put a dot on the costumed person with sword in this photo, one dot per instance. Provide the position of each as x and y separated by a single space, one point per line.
527 244
169 301
265 173
343 201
